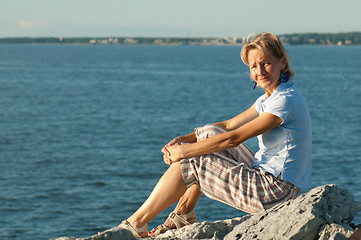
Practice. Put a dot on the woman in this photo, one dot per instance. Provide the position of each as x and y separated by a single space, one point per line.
213 160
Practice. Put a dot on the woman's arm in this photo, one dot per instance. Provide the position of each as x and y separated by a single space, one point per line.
255 127
239 120
227 125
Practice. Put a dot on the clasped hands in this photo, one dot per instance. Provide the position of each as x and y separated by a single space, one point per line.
173 151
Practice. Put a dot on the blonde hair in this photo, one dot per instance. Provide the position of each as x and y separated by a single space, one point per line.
267 43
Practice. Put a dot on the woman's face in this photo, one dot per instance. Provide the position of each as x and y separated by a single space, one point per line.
265 70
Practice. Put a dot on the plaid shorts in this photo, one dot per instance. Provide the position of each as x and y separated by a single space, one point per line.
228 176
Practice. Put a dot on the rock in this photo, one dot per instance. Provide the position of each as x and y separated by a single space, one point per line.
110 234
324 212
300 218
335 232
204 230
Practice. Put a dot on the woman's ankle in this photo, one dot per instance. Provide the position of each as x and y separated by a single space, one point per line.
136 223
183 210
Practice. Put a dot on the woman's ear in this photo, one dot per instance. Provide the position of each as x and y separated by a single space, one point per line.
284 62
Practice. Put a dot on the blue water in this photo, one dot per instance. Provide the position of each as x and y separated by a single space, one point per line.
82 126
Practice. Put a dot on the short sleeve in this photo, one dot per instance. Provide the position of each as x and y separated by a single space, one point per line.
282 107
258 104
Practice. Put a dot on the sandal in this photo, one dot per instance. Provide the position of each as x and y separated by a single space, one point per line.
160 230
179 221
135 231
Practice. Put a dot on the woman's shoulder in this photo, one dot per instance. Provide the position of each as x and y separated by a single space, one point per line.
290 93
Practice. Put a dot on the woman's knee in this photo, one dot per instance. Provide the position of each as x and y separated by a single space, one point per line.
209 130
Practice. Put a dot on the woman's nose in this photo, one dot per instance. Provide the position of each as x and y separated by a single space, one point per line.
260 69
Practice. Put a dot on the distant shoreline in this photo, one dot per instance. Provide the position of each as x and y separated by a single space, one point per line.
330 39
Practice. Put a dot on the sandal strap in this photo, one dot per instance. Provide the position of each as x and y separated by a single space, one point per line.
179 219
159 230
135 231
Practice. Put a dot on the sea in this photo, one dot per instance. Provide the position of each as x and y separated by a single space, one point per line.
82 126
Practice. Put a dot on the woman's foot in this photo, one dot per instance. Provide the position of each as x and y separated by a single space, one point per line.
140 232
175 221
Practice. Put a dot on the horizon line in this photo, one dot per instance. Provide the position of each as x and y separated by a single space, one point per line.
114 36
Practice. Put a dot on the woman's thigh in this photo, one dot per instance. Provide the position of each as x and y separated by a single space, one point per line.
247 189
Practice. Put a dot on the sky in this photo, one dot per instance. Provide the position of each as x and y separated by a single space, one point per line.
169 18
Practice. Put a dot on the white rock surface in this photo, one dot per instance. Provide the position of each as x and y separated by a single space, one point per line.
300 218
323 213
335 231
110 234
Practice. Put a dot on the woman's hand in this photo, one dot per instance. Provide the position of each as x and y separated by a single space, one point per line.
168 159
166 155
173 153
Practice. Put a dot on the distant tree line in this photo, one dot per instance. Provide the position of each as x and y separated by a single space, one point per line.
350 38
40 40
101 40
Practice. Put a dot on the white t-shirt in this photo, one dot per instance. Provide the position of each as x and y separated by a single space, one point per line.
286 149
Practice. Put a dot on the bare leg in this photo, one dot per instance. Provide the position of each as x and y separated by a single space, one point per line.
168 190
186 204
188 200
